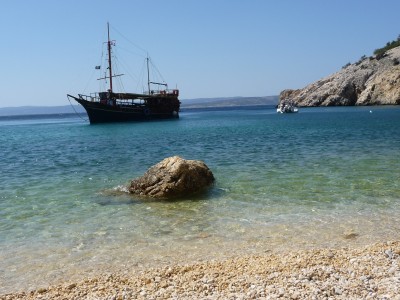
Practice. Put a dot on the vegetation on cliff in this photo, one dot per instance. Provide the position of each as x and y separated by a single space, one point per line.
380 52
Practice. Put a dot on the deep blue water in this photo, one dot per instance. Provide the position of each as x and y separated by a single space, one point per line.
283 181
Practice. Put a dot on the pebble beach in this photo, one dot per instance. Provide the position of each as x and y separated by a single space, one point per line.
369 272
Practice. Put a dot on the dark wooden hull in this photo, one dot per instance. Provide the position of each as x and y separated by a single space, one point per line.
103 113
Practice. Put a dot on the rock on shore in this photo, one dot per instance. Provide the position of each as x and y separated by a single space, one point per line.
370 81
173 177
372 272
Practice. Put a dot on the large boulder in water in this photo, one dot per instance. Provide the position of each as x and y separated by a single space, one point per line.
172 178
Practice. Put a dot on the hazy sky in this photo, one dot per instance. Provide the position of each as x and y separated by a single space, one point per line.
207 48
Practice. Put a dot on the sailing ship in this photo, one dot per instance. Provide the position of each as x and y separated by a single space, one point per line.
158 102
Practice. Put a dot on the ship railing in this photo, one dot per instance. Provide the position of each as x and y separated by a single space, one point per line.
92 97
164 92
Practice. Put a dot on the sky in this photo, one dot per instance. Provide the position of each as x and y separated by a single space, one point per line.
207 48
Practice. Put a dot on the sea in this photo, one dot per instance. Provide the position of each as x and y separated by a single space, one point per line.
322 178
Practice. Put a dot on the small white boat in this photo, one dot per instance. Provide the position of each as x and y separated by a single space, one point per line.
287 106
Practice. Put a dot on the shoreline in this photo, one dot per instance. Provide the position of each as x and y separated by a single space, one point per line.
368 272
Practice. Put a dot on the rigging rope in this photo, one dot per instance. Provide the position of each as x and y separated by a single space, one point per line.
141 75
155 68
121 63
137 46
86 120
89 81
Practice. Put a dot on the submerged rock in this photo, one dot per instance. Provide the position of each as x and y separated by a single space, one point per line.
172 178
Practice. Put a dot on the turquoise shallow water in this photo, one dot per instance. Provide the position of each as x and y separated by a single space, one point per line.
325 177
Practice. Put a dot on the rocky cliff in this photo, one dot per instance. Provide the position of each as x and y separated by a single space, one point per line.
370 81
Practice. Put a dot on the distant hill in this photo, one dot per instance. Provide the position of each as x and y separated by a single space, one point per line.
229 102
40 110
186 103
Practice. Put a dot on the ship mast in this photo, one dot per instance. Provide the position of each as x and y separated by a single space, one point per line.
148 73
110 43
109 56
